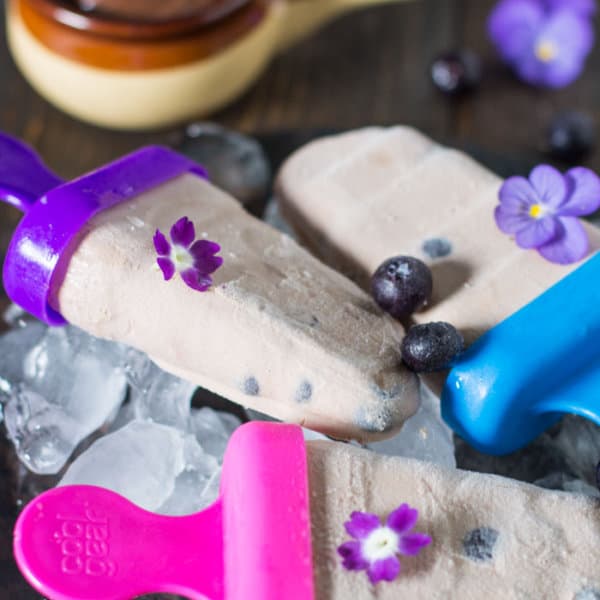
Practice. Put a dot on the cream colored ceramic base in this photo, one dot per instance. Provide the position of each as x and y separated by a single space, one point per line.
155 98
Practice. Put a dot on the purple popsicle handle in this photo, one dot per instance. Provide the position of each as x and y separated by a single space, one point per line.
56 212
23 176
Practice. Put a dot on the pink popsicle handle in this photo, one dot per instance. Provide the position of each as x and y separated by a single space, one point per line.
88 543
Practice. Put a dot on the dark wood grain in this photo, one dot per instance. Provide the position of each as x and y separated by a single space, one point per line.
370 67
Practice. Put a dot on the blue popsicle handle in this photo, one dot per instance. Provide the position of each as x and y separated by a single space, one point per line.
522 375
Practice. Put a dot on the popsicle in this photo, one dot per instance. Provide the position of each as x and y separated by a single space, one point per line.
401 193
279 524
277 331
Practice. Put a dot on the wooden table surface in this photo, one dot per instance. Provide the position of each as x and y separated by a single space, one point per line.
370 67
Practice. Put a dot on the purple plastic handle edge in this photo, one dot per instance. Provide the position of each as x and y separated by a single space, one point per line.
44 235
23 176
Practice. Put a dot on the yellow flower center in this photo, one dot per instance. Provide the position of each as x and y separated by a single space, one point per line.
537 211
546 51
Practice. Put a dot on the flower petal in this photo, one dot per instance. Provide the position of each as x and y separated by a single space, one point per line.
512 27
352 556
570 244
195 280
203 248
518 192
208 264
403 518
412 543
572 34
586 8
584 193
384 570
167 267
361 524
573 37
509 220
183 232
549 184
537 233
161 244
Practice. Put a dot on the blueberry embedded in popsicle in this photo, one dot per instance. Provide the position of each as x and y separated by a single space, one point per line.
478 544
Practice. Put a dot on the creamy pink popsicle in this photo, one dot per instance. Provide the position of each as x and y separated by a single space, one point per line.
360 198
491 537
278 331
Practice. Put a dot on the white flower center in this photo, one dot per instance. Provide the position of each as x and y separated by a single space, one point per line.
181 258
380 544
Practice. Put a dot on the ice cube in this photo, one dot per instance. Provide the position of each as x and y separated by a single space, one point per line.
424 436
197 485
235 162
273 217
579 440
14 316
566 483
72 384
141 461
14 345
212 430
156 394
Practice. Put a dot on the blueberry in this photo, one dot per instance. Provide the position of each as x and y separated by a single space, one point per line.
479 543
437 248
431 347
402 285
570 136
250 386
456 72
304 392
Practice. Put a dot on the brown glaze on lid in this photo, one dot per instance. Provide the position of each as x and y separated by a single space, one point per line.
115 25
158 10
137 51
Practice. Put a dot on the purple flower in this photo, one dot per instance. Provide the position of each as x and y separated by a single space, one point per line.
375 546
541 212
585 8
545 41
195 261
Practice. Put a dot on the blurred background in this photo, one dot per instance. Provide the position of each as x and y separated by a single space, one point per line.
369 66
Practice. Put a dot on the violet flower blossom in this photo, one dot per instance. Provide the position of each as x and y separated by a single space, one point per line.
376 546
541 212
585 8
546 42
195 261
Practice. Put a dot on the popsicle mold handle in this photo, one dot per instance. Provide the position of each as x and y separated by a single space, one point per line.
39 251
23 176
88 543
524 374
